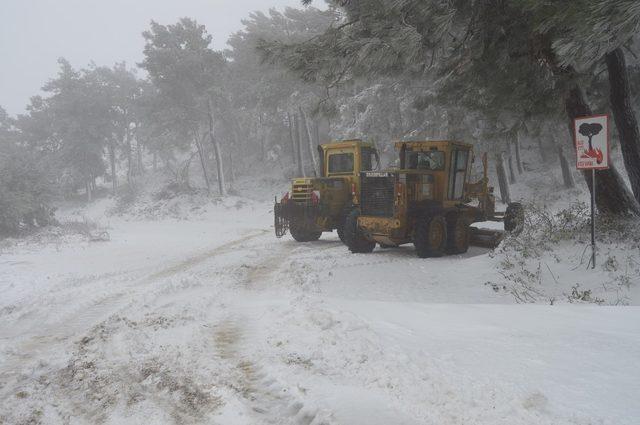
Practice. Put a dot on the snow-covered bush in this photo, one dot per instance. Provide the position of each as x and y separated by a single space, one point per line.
550 260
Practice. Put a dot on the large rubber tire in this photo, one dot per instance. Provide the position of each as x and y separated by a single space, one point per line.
302 235
514 218
353 236
430 236
342 222
340 231
459 236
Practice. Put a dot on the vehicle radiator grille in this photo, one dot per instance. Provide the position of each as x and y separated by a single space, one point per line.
376 198
301 193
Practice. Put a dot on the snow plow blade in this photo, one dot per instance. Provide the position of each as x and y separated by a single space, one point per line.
486 238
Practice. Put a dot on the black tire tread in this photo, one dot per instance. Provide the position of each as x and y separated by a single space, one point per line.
354 238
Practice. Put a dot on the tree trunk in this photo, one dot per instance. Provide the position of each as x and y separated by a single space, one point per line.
293 143
516 143
127 144
88 189
543 152
296 121
231 170
262 142
503 184
203 164
624 117
612 194
512 174
567 177
222 188
312 153
316 133
139 157
112 160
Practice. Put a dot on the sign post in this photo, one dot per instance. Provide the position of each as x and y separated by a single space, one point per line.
592 153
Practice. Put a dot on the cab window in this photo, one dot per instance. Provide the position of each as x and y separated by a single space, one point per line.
369 159
458 173
341 163
429 160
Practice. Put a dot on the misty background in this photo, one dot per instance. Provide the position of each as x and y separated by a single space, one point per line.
142 144
35 33
127 99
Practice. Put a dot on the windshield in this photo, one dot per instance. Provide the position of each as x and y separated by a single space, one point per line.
369 159
341 163
430 160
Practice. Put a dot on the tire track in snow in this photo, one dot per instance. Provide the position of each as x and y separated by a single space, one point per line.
79 321
268 399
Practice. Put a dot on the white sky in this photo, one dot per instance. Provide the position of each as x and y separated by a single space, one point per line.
35 33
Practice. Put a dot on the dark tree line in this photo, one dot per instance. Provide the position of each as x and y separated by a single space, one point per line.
505 62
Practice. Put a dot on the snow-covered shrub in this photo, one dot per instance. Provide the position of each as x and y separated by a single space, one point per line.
551 259
125 198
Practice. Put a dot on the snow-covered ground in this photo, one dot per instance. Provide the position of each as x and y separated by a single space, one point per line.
214 320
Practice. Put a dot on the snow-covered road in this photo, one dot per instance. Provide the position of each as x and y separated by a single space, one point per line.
216 321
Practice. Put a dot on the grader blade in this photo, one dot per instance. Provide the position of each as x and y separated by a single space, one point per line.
486 238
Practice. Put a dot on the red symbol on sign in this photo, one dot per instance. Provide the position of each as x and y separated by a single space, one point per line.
593 153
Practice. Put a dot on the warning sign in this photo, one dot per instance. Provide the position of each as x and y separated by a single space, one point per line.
592 142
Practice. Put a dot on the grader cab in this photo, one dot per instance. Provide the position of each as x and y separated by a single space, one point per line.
321 204
428 201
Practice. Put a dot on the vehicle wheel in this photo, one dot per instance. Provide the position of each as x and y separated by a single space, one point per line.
514 218
459 236
430 236
353 236
340 231
302 235
343 222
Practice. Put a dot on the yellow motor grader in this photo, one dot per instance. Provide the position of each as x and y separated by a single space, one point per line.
429 202
321 204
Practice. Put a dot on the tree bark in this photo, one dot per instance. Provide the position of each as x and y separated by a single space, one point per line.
512 174
112 160
231 170
296 121
139 157
567 177
262 141
516 143
88 188
624 117
293 143
203 164
612 194
543 152
222 188
503 184
312 153
127 144
316 133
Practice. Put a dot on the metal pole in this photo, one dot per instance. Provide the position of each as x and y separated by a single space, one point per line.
593 218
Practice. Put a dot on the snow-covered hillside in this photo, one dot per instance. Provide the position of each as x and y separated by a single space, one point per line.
214 320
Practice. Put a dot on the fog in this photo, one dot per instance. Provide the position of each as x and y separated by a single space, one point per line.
348 212
35 33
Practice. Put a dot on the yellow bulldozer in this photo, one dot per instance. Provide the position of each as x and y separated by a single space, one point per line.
322 204
428 201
